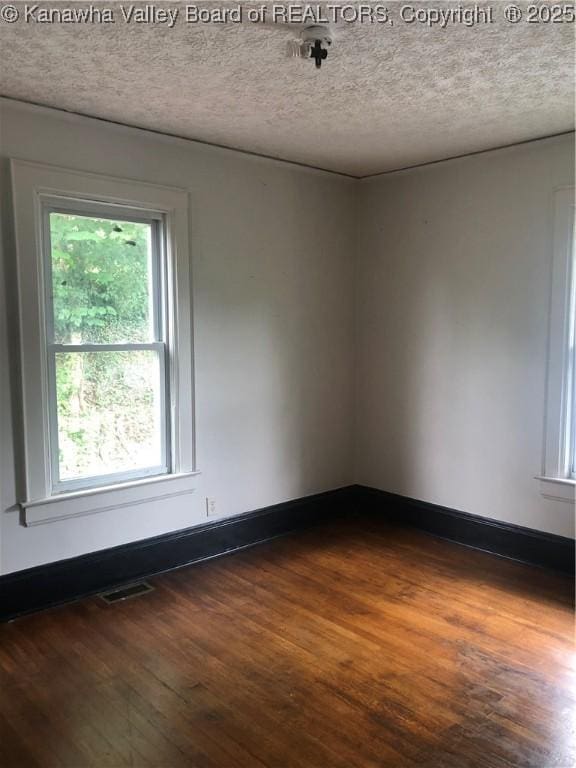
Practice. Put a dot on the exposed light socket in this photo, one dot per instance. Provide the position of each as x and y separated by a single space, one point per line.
210 507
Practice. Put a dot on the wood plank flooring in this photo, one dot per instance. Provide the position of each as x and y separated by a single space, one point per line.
350 645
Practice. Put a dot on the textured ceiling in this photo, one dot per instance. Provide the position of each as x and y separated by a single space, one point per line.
389 96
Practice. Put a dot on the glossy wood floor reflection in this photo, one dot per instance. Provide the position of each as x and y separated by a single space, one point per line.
346 645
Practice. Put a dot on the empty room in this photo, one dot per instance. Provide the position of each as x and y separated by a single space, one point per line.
287 384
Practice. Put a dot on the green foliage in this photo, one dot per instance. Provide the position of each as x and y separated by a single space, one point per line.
100 284
99 279
107 412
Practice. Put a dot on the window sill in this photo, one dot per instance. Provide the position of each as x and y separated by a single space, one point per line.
558 488
92 500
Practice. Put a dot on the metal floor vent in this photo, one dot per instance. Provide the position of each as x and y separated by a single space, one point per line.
125 593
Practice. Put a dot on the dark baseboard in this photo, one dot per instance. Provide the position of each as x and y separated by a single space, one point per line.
505 539
55 583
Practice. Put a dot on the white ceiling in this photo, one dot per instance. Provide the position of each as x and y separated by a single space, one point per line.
387 97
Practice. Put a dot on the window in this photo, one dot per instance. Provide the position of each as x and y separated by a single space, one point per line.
106 345
571 382
106 341
559 467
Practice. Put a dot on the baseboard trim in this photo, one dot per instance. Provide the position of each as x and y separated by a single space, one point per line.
61 582
505 539
46 586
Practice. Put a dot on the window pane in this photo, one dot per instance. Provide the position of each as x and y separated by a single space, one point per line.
109 412
101 280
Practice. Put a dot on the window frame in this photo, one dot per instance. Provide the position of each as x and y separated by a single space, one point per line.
36 190
557 479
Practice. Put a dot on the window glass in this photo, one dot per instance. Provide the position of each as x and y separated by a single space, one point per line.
101 280
107 352
109 412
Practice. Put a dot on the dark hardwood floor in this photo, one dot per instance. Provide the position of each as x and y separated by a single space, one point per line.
347 645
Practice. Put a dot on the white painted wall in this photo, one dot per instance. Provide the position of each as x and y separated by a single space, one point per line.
452 320
272 259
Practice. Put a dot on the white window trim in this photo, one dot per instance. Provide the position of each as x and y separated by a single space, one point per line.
555 480
32 185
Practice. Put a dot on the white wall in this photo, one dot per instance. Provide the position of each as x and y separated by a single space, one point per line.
272 257
452 318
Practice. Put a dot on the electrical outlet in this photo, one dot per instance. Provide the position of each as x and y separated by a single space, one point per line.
210 507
